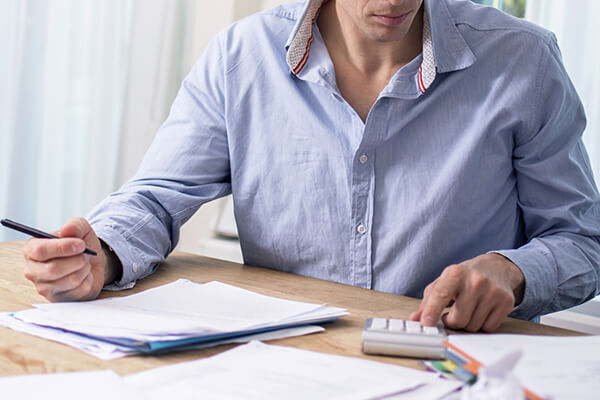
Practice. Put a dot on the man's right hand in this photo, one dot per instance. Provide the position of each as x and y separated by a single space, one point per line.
59 269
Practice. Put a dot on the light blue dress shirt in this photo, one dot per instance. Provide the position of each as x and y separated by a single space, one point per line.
487 156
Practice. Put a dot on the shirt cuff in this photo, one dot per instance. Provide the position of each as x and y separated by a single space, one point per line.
539 268
131 259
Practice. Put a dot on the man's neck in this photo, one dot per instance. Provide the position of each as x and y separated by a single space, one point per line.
365 65
348 45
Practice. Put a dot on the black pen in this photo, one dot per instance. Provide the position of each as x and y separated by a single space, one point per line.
36 233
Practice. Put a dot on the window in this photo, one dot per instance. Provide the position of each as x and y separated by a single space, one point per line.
513 7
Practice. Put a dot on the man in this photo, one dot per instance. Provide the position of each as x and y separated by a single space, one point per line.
426 148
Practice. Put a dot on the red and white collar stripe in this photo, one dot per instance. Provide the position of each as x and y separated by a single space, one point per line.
299 48
427 71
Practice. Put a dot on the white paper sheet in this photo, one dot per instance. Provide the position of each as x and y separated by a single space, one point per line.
178 310
434 390
550 366
260 371
108 351
97 348
96 385
251 371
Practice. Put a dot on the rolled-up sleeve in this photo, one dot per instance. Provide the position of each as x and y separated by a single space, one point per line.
186 166
558 199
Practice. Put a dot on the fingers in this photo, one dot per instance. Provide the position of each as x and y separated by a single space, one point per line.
486 317
80 292
416 316
469 322
55 269
47 249
67 287
59 269
470 308
503 307
463 312
80 228
84 291
480 292
76 227
71 242
440 295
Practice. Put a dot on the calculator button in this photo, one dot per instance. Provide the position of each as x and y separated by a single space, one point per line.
396 325
402 338
413 326
379 323
431 330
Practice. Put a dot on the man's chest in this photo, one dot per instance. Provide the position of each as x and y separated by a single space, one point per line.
360 90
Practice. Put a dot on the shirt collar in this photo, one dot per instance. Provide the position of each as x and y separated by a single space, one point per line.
298 44
451 50
444 48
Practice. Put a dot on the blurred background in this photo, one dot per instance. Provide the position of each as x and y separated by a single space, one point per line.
85 84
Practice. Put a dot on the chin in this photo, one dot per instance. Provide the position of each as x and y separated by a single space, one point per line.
387 35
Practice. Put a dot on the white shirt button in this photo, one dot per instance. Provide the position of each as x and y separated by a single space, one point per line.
363 159
361 229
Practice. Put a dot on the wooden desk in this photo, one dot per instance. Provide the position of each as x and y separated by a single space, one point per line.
22 354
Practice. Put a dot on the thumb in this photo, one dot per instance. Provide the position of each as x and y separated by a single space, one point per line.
76 227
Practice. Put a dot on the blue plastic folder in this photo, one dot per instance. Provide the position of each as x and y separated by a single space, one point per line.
163 346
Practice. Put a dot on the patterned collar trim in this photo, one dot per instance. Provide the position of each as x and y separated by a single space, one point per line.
427 70
299 47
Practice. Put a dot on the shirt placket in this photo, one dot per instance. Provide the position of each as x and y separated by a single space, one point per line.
362 201
363 198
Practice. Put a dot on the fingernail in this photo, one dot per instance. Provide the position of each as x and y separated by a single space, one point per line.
428 319
77 247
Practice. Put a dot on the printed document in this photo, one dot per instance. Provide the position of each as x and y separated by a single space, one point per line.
565 367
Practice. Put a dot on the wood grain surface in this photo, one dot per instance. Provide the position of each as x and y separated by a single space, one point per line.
21 353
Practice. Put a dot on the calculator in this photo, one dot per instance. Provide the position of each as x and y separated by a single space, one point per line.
398 337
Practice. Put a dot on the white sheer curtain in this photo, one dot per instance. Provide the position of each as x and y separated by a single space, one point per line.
62 79
84 85
576 26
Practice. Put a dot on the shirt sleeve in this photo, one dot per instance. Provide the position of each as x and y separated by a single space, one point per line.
558 199
186 165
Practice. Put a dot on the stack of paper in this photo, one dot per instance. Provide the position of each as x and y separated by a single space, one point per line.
251 371
172 316
110 351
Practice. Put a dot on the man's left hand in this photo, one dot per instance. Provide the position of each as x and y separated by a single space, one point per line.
480 292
